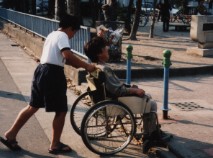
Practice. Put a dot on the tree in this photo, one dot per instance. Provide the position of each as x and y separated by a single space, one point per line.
51 9
60 8
8 4
151 34
136 21
128 17
95 11
32 7
26 6
73 7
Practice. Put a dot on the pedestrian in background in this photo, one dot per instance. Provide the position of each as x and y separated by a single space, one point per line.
201 9
110 14
165 14
159 10
49 85
210 6
102 31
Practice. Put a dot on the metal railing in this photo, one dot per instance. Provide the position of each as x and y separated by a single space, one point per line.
43 26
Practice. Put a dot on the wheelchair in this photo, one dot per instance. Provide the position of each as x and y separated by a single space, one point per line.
108 124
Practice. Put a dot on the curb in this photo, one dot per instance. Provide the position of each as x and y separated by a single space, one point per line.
156 73
164 153
175 151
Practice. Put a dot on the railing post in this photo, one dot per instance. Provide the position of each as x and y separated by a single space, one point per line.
129 57
166 63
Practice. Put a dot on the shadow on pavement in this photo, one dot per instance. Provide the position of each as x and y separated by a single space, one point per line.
11 95
183 147
20 154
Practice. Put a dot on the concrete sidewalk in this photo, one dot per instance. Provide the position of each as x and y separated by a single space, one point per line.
192 129
17 70
191 114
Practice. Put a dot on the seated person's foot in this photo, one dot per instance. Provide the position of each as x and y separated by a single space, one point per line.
147 145
154 136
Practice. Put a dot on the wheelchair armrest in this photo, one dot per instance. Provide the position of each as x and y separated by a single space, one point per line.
137 104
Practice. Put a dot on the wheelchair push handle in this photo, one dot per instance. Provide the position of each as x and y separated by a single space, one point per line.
96 72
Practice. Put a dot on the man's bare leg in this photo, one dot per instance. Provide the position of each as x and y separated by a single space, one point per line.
21 119
58 125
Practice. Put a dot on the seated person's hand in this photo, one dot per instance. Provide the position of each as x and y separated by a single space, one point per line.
140 92
134 86
137 91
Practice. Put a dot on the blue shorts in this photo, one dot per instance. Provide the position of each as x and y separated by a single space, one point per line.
49 88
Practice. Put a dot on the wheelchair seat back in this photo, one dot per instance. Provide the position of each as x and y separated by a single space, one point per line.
95 82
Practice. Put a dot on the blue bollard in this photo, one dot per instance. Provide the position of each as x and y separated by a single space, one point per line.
129 57
166 63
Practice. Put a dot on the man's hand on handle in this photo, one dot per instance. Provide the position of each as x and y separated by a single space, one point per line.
90 68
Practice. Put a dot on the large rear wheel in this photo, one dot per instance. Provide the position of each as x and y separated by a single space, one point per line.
81 105
105 129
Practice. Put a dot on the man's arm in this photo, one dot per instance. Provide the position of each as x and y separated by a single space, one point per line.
74 61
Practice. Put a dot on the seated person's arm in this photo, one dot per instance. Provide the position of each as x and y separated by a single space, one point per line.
117 88
129 86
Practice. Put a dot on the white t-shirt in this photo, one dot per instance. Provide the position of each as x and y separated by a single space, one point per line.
55 42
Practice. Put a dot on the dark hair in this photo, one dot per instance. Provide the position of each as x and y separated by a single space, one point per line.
67 20
94 47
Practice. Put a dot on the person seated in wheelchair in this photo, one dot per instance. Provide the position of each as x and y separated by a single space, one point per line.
97 51
201 9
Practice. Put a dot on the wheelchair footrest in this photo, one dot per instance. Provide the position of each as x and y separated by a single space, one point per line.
138 136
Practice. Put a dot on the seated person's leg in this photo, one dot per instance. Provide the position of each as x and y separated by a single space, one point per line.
149 121
153 117
153 106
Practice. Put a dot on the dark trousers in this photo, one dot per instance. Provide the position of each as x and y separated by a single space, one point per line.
166 26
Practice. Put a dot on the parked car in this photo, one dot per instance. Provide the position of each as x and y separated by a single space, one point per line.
147 7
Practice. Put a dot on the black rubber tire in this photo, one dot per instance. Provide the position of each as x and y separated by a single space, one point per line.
76 116
97 118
